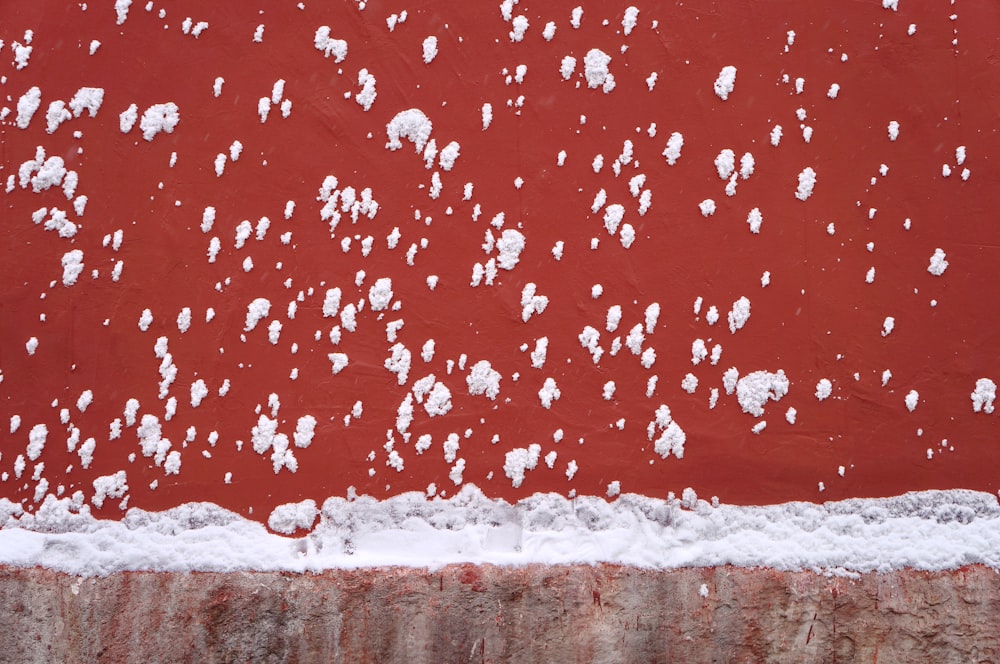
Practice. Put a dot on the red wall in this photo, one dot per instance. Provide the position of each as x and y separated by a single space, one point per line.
817 319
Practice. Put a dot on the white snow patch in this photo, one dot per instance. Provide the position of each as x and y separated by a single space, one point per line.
411 124
938 264
159 118
329 46
983 396
725 82
755 389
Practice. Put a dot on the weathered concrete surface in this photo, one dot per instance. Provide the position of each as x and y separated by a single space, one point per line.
466 613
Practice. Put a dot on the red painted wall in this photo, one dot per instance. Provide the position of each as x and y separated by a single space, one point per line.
818 318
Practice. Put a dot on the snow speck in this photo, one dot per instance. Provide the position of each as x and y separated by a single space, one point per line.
567 66
121 10
27 105
159 118
430 49
518 27
739 314
673 150
449 154
983 396
366 97
411 124
380 294
725 163
824 388
755 389
549 393
630 19
938 263
807 180
87 99
109 486
596 67
888 325
72 264
328 46
184 320
776 135
483 379
893 130
519 460
257 310
36 441
725 83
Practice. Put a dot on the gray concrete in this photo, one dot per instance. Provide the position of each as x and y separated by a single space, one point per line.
466 613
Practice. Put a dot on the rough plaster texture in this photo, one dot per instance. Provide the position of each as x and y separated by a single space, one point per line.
467 613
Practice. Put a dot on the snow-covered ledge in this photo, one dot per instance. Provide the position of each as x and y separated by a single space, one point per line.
411 579
929 530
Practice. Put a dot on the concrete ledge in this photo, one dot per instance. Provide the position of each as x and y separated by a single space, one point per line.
467 613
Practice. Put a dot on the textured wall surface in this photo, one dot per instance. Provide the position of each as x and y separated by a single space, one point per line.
467 613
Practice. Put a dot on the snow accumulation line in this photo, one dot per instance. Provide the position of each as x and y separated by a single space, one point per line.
928 530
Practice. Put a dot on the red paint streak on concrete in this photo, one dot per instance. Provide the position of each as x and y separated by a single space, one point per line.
393 615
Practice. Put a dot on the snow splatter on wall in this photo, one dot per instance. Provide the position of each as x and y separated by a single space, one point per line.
486 229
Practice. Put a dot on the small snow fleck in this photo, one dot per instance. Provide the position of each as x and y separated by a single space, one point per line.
807 180
823 389
983 396
519 26
550 392
485 380
893 130
755 389
887 325
596 67
938 264
327 46
520 459
430 49
739 314
411 124
725 82
776 135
